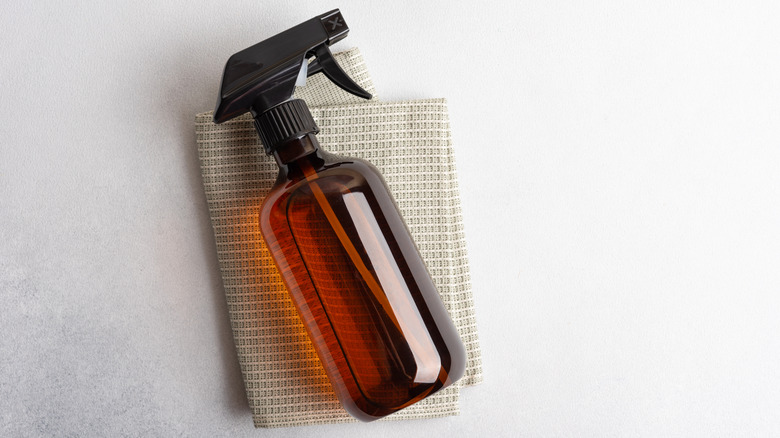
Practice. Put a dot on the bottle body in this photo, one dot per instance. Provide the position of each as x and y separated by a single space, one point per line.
360 285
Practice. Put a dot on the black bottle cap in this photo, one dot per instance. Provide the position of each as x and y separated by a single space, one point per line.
262 78
284 122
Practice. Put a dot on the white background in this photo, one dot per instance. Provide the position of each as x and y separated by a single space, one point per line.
619 164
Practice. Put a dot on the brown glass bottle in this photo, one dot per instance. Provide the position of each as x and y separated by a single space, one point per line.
357 279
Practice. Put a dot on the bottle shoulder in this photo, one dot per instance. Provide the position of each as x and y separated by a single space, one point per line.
336 164
336 174
341 167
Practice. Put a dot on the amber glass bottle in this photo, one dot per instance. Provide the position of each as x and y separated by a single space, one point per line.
357 279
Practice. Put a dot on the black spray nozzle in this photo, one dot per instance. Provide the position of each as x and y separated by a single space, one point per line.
263 76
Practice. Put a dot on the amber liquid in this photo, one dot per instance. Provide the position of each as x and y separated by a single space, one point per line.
360 286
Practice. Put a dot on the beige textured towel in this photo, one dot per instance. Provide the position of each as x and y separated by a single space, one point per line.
410 143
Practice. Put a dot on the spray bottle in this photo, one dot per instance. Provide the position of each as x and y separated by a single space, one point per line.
343 250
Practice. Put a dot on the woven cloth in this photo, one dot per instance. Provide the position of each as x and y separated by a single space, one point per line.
410 144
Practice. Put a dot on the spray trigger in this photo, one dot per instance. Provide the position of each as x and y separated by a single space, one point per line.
325 62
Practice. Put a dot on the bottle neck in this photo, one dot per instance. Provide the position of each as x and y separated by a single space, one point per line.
299 155
295 149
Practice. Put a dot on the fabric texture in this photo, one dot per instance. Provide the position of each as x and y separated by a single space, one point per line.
410 144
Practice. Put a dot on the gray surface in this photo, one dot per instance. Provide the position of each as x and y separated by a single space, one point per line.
623 238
